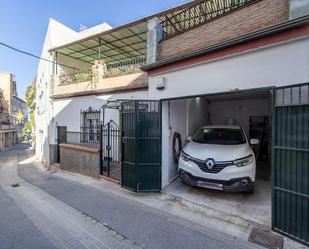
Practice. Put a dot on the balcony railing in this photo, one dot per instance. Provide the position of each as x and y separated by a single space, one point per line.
201 13
114 70
6 118
89 139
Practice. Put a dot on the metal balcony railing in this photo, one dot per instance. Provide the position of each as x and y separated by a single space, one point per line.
113 70
201 13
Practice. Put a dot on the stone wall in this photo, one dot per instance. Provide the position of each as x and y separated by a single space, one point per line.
80 159
256 16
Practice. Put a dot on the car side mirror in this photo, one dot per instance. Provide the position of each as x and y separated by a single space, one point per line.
254 141
189 139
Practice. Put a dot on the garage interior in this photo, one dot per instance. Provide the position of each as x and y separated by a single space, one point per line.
250 109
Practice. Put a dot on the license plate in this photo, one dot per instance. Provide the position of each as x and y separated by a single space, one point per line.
210 185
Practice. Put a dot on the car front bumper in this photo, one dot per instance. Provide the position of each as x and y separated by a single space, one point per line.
231 178
242 184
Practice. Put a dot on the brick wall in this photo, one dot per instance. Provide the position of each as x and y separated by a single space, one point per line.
262 14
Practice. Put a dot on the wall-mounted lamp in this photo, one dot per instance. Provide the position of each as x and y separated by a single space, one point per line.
160 83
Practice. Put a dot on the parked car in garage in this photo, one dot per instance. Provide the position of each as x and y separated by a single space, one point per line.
219 157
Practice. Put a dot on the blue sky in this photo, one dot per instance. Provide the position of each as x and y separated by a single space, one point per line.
23 25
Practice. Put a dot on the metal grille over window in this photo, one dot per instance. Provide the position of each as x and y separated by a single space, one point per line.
203 12
90 128
290 96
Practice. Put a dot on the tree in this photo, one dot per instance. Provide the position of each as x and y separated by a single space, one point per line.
30 95
30 99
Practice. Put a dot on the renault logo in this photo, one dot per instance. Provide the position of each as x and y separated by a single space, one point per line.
210 163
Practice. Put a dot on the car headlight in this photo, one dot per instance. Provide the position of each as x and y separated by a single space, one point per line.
244 161
185 156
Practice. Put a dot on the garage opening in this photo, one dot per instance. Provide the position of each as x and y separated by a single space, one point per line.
251 110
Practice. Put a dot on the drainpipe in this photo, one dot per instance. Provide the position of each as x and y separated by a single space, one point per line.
154 35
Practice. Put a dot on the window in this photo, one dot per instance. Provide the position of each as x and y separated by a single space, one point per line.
90 124
224 136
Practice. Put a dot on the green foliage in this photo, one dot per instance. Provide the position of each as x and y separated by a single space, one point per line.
26 131
82 76
30 95
31 119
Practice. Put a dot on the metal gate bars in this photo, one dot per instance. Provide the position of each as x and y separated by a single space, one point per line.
110 163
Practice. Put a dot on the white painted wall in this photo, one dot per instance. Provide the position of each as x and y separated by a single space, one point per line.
66 112
241 110
281 64
174 119
183 116
57 35
197 114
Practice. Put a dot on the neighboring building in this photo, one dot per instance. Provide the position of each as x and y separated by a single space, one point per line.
10 106
8 86
205 62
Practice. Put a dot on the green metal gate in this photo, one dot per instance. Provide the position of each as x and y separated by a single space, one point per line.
141 145
290 166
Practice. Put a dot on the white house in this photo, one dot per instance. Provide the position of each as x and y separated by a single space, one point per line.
245 61
58 102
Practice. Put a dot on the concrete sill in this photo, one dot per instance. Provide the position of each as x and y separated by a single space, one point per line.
102 177
80 148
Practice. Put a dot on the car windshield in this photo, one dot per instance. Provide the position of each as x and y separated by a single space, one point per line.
222 136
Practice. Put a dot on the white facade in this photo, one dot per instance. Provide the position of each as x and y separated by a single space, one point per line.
279 64
275 65
66 112
57 35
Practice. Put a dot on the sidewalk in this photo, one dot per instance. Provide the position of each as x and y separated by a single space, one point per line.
234 227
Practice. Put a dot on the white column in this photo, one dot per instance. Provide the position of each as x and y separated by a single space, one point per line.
299 8
154 35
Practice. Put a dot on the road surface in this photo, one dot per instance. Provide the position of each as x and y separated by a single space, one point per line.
42 210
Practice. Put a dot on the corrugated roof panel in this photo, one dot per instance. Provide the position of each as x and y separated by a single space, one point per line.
119 46
90 43
88 52
77 55
66 51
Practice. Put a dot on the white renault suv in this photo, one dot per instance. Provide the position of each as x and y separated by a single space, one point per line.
219 157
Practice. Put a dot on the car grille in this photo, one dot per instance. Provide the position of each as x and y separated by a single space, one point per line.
215 169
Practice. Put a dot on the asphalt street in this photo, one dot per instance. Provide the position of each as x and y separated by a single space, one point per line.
138 225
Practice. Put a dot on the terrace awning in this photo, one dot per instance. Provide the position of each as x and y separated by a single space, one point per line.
113 46
119 45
